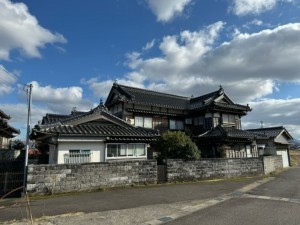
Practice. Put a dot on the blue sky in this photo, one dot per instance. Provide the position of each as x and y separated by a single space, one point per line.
72 52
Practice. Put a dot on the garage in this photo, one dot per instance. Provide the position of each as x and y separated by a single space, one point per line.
285 157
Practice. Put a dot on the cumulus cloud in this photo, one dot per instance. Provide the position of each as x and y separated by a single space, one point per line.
274 112
101 88
245 7
7 80
250 67
149 45
166 10
257 59
15 19
59 100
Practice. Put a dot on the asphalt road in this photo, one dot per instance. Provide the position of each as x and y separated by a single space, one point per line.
242 201
276 202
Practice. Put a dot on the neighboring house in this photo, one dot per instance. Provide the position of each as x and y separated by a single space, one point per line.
229 142
201 117
7 132
94 136
277 142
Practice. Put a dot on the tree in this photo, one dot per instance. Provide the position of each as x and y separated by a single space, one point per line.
177 145
17 144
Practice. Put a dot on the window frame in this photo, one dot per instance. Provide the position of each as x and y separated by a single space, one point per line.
133 151
178 124
142 121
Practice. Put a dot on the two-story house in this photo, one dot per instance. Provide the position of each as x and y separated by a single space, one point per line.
7 132
213 119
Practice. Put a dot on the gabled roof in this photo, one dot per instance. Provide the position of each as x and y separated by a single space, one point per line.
5 129
271 132
147 97
8 131
96 122
4 115
220 132
217 100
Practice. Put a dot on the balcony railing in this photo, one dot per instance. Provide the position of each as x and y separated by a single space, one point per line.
72 158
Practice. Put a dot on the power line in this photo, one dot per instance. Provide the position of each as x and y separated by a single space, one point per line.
8 73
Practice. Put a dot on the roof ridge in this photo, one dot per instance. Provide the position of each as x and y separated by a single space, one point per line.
201 96
155 92
267 128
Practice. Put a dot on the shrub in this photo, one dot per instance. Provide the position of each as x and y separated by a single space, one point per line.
177 145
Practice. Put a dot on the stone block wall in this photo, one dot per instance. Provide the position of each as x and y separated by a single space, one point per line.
272 163
47 179
179 170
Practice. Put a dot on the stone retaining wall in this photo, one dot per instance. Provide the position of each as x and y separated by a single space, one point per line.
47 179
272 163
179 170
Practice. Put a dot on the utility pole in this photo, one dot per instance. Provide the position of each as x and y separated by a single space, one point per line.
29 91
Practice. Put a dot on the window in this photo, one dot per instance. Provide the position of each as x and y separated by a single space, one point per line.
143 122
126 150
148 122
216 121
78 156
140 150
112 150
176 125
198 121
228 119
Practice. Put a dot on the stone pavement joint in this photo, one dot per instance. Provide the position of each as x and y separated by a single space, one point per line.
293 200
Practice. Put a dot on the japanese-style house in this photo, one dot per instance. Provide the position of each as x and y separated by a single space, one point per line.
93 136
213 120
277 142
7 132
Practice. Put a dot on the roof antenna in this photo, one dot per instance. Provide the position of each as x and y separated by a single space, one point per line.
74 109
261 124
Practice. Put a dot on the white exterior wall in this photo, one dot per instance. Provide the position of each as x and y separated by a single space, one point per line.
284 155
97 149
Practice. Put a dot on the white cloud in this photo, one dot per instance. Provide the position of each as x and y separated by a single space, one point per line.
179 53
101 88
15 19
7 80
245 7
257 60
250 67
149 45
275 112
59 100
166 10
18 113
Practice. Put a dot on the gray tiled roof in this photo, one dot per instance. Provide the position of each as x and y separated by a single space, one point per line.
159 99
142 96
271 132
229 132
99 129
4 115
89 124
